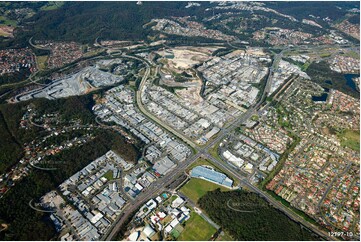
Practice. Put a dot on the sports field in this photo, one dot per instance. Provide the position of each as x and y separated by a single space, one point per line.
41 59
196 188
197 229
350 138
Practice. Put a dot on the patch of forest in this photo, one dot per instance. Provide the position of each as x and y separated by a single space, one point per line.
321 72
18 76
354 19
247 216
10 150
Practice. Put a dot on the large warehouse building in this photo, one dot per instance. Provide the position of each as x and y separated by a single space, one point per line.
211 175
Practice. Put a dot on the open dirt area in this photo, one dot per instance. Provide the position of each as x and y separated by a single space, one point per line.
3 227
182 58
256 51
191 94
6 31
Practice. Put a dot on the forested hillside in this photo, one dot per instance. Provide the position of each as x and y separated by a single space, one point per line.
246 216
110 20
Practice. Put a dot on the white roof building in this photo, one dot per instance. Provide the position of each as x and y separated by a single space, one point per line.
138 186
249 166
134 236
96 218
151 204
148 231
168 229
174 223
177 202
237 161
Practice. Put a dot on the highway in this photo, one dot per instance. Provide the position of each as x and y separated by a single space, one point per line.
161 184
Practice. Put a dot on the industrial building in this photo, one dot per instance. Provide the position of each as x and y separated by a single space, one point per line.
209 174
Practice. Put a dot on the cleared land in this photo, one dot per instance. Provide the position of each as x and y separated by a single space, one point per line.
185 57
196 229
352 54
197 188
6 31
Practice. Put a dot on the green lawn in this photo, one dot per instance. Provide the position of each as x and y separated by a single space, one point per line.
6 21
41 59
352 54
197 229
196 188
109 175
325 54
175 233
350 138
306 65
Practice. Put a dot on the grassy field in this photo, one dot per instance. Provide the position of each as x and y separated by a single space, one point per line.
352 54
5 21
109 175
325 54
350 138
93 53
52 5
196 228
196 188
41 59
305 66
